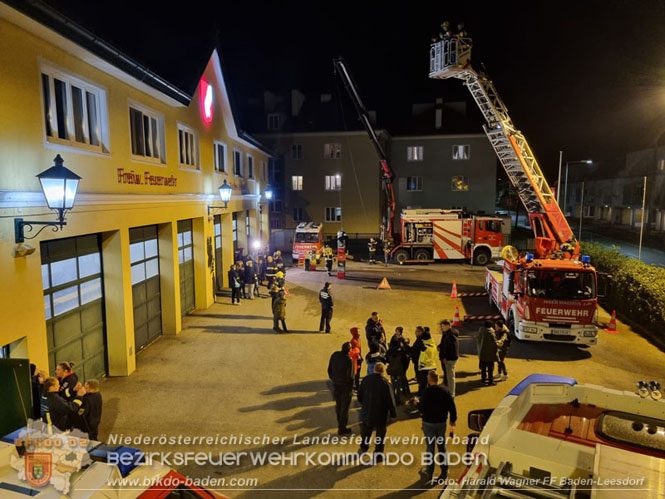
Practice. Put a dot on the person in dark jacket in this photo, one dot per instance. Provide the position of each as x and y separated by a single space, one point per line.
377 353
271 271
418 347
234 284
279 312
261 268
448 354
250 278
487 353
503 341
67 379
398 362
240 269
56 409
325 298
374 328
37 378
377 404
435 405
341 373
88 421
371 246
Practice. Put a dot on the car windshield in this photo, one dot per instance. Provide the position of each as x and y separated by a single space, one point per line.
307 237
561 285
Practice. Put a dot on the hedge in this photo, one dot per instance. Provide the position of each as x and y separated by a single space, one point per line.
636 290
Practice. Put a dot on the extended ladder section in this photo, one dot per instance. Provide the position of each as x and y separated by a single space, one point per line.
451 58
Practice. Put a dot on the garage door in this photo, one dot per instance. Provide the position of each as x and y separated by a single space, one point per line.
186 260
219 265
144 258
74 304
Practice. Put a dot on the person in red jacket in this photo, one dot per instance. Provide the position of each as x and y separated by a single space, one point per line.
356 356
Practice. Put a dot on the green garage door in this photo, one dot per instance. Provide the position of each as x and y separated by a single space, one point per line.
74 304
186 261
219 264
144 258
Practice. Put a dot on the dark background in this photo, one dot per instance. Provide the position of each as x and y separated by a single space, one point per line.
586 77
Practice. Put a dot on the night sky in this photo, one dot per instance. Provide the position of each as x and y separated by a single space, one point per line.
587 77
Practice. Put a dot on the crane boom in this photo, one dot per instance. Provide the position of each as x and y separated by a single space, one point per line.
386 172
451 58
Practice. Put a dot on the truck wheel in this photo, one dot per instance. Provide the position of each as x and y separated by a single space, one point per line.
511 326
400 256
481 257
422 254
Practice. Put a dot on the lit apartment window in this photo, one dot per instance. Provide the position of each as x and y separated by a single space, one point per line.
237 163
460 183
220 156
147 134
333 182
296 151
188 146
250 166
414 183
296 182
333 214
74 111
461 151
414 153
332 151
274 122
298 215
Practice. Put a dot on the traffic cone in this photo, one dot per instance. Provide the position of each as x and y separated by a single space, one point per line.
384 284
456 321
612 326
286 291
454 292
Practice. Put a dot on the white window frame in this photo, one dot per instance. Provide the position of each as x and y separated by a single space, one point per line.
332 150
296 182
216 144
250 167
297 151
414 153
466 152
193 149
237 153
298 214
161 136
418 181
70 143
334 218
453 183
333 183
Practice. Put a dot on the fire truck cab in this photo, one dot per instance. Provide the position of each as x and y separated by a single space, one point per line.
308 236
428 234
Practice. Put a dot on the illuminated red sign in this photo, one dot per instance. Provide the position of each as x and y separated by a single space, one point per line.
205 98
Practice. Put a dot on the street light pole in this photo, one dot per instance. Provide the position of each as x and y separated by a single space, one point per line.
644 198
565 189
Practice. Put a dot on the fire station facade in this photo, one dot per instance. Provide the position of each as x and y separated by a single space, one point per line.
148 240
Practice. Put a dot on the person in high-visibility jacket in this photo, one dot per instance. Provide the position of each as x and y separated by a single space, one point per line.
56 410
308 258
329 256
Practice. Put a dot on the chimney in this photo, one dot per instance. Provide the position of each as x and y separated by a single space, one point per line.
438 113
297 100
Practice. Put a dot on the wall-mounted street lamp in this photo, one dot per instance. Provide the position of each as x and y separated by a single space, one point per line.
59 186
268 192
225 191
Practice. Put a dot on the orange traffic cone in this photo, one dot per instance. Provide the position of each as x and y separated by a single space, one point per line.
612 327
456 321
384 284
286 291
454 292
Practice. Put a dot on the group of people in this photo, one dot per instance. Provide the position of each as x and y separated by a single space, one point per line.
64 402
247 275
493 341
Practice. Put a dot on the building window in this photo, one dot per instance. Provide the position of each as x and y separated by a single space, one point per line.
296 151
298 215
75 111
661 164
275 223
461 151
333 182
414 183
235 231
296 182
188 146
237 163
250 166
147 134
247 225
276 206
460 183
414 153
274 121
332 151
220 156
334 214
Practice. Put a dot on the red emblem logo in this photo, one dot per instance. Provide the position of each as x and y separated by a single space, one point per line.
37 468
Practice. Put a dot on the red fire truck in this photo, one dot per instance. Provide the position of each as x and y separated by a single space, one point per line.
448 235
308 237
549 296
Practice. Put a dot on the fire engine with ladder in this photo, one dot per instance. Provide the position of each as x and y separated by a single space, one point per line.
549 296
426 234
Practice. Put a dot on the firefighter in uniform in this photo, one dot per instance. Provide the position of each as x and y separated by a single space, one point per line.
371 245
326 308
271 271
308 258
328 255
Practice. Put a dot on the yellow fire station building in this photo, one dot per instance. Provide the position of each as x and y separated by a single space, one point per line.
148 239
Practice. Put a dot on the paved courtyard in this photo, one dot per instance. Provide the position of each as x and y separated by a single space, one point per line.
229 374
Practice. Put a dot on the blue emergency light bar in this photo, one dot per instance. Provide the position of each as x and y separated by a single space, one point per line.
528 258
586 259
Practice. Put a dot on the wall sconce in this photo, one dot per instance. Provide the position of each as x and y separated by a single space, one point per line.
225 191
